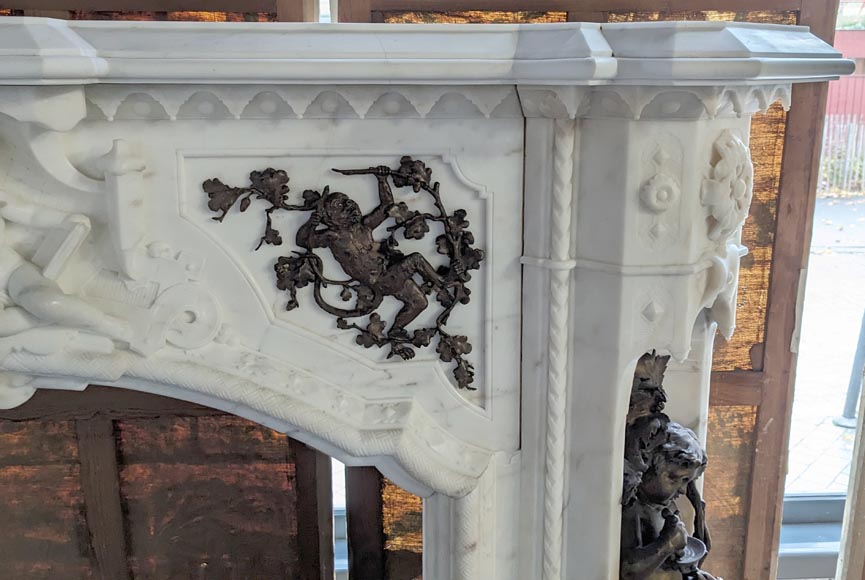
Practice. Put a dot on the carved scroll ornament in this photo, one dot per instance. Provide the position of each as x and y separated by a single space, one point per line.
375 268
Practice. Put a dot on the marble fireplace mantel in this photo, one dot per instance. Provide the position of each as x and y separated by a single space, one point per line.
619 151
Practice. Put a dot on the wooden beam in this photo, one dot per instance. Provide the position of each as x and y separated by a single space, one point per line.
314 512
583 16
102 506
799 172
107 402
291 10
581 6
145 5
732 388
354 11
365 524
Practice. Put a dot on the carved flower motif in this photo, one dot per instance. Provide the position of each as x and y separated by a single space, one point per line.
660 193
728 191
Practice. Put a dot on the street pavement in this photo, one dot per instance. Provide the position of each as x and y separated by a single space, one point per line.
820 452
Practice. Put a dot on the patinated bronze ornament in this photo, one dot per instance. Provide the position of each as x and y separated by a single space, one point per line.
375 268
663 460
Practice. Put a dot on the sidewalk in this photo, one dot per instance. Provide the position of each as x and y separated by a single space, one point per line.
820 452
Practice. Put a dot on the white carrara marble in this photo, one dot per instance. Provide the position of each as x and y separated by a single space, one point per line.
604 170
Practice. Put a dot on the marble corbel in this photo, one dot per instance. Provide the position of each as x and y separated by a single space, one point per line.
644 192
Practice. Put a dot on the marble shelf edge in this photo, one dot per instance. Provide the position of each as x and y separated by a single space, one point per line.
47 51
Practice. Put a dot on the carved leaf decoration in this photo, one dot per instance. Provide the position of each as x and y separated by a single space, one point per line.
443 245
416 227
293 273
221 197
423 336
271 184
412 173
461 295
376 326
311 197
365 297
453 347
271 236
444 298
472 258
374 333
400 212
464 375
457 222
365 339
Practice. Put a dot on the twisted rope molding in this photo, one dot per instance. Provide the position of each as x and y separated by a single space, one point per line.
557 372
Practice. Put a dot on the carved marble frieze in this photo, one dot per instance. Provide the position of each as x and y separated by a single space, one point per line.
652 102
173 102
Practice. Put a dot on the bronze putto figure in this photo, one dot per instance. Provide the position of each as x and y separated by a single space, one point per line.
663 461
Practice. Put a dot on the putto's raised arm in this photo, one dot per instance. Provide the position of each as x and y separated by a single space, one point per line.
385 196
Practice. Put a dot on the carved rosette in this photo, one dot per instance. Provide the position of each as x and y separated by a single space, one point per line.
728 190
659 193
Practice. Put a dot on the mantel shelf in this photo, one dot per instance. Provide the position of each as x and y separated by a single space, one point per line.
47 51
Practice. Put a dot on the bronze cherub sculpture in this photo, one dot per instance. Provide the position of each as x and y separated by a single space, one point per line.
663 460
375 267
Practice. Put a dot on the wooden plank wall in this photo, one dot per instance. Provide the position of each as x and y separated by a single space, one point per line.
189 10
385 527
115 485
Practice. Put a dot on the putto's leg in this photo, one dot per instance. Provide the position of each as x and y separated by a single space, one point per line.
43 299
414 302
419 265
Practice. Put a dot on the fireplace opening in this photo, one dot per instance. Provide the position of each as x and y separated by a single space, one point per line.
122 485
